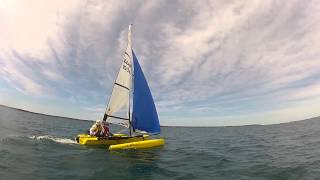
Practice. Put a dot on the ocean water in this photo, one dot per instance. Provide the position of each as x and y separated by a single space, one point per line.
34 146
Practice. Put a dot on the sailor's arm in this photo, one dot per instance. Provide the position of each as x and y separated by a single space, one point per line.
93 130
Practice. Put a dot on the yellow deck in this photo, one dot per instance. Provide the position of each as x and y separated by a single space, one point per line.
120 141
86 139
138 145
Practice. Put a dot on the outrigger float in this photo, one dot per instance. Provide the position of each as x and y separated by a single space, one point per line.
143 116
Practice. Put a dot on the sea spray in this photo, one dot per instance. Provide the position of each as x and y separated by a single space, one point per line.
54 139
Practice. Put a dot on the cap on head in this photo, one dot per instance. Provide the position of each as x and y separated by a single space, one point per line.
98 122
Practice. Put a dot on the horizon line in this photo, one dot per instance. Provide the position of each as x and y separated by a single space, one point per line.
180 126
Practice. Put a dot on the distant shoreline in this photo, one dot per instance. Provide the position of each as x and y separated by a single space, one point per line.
43 113
161 125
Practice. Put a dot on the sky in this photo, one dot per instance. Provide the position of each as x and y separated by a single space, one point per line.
208 63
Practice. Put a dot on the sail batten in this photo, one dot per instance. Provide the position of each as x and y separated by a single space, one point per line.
118 117
122 86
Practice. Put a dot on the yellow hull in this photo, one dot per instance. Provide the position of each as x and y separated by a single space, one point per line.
138 145
86 139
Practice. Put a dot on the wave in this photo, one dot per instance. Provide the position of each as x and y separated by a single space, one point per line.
54 139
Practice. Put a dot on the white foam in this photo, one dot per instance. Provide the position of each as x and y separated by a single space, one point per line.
55 139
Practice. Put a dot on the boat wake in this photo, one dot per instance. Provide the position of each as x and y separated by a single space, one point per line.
54 139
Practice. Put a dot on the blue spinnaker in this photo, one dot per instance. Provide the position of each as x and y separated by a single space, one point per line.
144 113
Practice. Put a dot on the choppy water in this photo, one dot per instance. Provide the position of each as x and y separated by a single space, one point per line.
34 146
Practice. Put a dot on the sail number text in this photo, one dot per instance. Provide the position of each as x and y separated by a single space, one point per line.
126 65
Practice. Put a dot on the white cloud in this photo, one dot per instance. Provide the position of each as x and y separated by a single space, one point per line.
28 24
100 108
214 57
11 74
305 92
241 46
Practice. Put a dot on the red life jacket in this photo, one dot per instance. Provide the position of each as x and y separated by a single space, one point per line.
105 130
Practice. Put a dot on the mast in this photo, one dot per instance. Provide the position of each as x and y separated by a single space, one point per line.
129 111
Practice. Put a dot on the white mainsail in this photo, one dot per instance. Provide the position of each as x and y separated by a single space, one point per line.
117 111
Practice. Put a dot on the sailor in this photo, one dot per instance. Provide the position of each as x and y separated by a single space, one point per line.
105 129
96 129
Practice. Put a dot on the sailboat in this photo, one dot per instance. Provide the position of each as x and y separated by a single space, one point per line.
142 117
